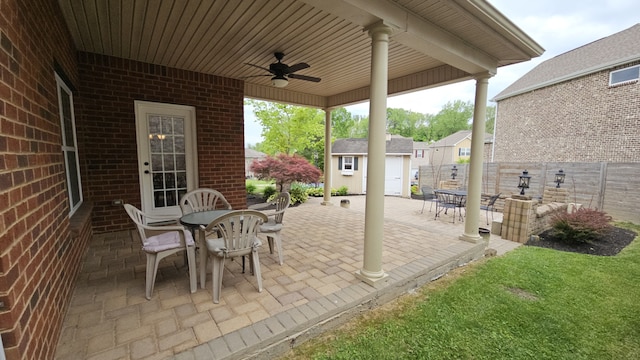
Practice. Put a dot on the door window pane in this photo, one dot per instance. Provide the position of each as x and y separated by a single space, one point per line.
167 144
168 159
156 162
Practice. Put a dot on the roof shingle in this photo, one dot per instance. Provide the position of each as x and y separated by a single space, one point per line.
396 145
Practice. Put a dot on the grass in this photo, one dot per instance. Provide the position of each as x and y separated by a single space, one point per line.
259 184
532 303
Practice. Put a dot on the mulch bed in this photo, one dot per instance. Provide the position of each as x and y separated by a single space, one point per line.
608 245
259 200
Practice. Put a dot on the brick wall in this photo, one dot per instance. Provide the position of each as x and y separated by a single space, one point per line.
39 258
105 122
582 120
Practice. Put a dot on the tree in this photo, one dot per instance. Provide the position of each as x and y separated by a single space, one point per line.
360 127
453 117
285 169
345 126
405 122
289 129
342 124
491 119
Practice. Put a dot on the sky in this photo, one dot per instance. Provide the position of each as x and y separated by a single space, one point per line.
557 25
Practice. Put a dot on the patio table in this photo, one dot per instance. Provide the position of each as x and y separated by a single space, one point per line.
195 221
450 199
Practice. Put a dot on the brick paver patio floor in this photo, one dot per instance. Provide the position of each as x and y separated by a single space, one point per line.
109 317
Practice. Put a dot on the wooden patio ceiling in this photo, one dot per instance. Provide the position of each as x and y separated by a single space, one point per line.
434 42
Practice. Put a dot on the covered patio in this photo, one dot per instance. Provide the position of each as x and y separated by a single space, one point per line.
315 289
86 83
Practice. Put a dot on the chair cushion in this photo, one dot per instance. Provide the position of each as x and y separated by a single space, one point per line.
270 227
166 241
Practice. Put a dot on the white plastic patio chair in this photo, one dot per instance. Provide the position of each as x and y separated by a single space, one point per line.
232 235
273 227
203 199
160 241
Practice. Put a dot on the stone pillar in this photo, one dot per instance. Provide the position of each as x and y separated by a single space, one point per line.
371 271
518 219
327 157
449 184
474 189
554 194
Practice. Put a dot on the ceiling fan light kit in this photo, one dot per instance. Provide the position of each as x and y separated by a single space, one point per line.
282 72
279 81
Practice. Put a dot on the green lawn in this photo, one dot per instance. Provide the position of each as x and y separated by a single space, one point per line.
259 184
532 303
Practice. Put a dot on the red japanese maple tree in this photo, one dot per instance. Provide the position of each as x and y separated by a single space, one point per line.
285 169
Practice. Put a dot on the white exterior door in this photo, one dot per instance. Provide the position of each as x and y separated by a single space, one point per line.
166 155
364 174
393 175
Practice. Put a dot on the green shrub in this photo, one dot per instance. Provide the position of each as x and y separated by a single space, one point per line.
319 192
251 188
268 191
315 191
582 225
298 194
414 189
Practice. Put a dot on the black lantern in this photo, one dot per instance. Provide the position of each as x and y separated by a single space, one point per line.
560 178
524 181
454 172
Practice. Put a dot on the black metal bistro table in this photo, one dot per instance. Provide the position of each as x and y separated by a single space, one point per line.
194 221
450 199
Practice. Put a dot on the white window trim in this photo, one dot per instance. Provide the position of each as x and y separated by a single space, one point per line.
344 164
628 81
67 148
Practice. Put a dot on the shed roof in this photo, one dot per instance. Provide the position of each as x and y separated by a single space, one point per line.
395 145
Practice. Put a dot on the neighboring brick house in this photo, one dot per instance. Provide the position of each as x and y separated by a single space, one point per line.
349 161
580 106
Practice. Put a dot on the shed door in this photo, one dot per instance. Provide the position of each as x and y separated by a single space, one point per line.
393 175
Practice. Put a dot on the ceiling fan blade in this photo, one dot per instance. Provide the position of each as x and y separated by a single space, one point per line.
252 76
298 67
260 67
304 77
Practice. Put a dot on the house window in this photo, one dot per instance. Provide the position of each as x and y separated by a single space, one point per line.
69 145
347 165
464 151
420 153
624 75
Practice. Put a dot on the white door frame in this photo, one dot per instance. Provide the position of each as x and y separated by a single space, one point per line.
142 109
